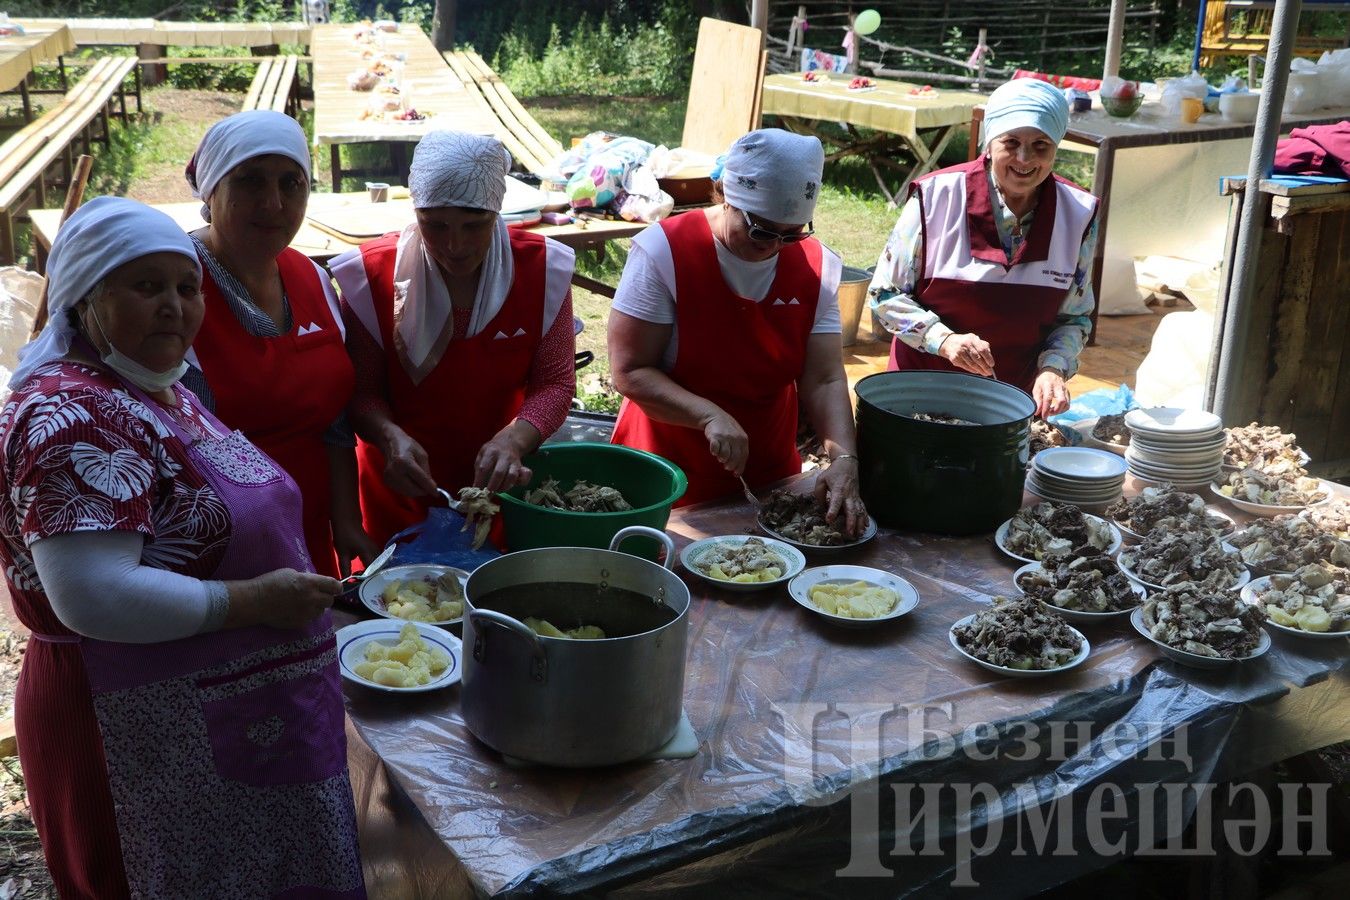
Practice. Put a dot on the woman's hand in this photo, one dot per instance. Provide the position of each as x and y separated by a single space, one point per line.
350 541
497 466
727 441
969 353
406 467
838 485
284 598
1050 393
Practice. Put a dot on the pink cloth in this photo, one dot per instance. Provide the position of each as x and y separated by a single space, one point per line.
1061 81
1315 150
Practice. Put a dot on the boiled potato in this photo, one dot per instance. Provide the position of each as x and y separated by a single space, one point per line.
424 600
545 628
1313 618
857 600
409 663
1280 617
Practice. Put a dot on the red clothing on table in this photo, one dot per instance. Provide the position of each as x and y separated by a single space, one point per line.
480 385
744 355
1315 150
185 531
969 282
284 392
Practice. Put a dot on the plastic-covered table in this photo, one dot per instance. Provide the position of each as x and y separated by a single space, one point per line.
809 736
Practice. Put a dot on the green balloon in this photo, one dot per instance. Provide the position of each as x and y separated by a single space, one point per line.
867 21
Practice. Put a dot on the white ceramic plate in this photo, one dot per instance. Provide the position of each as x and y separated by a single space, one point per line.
1018 673
793 561
1194 660
1181 444
1081 464
1228 526
373 587
1065 490
1251 593
1262 509
1303 460
869 532
800 589
1078 616
1171 420
1001 539
1073 484
1243 577
353 640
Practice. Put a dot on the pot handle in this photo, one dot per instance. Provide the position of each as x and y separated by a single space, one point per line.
538 660
635 530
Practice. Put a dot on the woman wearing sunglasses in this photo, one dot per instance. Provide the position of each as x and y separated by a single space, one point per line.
726 319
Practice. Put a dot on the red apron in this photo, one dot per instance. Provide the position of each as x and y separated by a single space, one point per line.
284 392
475 390
1014 318
743 355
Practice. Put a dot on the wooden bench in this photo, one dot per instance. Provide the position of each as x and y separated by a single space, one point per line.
29 153
274 85
531 145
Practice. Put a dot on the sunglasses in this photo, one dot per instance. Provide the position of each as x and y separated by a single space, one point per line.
760 233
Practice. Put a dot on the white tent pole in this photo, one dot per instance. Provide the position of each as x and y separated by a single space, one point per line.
1229 367
759 18
1115 37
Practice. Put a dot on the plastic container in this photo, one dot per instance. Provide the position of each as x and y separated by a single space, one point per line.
853 283
1239 107
648 482
935 477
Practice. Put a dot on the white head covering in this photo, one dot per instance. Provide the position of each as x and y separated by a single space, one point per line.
774 174
239 138
1026 102
449 169
100 236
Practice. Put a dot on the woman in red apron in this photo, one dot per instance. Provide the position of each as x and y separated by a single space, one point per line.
726 319
270 359
461 332
179 717
988 269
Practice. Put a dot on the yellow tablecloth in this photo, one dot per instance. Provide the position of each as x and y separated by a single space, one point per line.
886 108
20 54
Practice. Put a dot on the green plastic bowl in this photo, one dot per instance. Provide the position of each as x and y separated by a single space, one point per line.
651 484
1122 108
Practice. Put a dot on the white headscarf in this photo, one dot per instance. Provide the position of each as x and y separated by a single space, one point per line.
100 236
774 174
1026 102
449 168
239 138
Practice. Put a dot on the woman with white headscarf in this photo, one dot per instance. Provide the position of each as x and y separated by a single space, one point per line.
988 269
461 332
270 358
725 318
179 714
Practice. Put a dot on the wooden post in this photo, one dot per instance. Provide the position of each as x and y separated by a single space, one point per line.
979 71
152 73
1115 38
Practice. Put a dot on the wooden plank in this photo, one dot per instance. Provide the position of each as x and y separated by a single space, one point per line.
1314 203
547 143
21 146
724 87
286 92
255 87
460 66
1320 406
1279 325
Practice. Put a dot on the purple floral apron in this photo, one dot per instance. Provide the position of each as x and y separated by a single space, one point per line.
226 753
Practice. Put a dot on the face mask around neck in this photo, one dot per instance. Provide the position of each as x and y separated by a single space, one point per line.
144 378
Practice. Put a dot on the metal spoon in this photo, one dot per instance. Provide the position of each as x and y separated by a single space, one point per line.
456 505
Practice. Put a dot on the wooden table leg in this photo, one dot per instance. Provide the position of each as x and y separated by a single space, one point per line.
590 284
1101 186
27 101
335 163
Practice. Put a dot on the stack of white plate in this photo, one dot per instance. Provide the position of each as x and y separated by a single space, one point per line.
1077 475
1183 446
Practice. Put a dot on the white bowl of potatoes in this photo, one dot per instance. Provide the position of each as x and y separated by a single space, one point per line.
401 657
737 562
420 592
853 596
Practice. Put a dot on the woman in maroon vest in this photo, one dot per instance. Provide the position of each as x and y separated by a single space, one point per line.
724 317
988 269
461 331
270 359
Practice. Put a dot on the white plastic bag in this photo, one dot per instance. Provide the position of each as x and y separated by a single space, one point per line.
1176 89
1334 70
642 199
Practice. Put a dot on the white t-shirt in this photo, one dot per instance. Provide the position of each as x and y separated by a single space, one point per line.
647 287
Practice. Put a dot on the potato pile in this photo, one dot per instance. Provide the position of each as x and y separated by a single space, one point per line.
855 600
411 662
425 599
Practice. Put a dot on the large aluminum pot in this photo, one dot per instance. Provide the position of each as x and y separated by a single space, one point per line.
575 703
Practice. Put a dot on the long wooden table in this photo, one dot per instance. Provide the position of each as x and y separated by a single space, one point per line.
809 740
428 82
21 54
920 125
325 233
